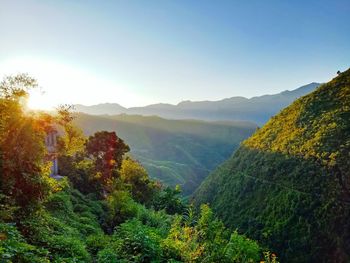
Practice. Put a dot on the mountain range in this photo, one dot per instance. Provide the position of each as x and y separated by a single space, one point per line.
257 109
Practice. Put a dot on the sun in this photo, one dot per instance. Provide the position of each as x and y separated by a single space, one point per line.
38 101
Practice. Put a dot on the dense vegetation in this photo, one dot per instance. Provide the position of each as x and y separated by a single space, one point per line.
288 185
174 152
105 209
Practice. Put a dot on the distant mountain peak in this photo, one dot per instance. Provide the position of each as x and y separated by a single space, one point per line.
257 109
184 102
101 109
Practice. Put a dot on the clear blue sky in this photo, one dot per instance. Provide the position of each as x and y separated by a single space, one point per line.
140 52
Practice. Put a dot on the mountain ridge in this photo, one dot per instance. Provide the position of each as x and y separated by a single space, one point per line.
256 109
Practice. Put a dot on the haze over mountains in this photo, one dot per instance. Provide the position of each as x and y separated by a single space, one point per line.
180 151
174 152
257 109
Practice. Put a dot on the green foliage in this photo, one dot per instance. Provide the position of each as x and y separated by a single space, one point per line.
69 229
7 208
242 249
120 215
169 199
72 142
288 185
92 165
97 242
13 247
68 249
136 242
108 255
121 206
63 228
24 173
157 219
208 241
81 173
136 178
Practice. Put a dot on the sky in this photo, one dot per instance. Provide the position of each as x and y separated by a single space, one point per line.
141 52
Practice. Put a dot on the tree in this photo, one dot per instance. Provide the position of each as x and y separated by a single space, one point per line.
24 173
169 199
72 161
106 149
136 177
15 88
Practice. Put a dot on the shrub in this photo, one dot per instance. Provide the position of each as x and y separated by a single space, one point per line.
96 243
136 242
13 247
242 249
121 207
169 200
108 255
156 219
66 247
60 203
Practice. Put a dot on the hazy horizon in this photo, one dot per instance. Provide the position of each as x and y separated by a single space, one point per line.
204 100
137 53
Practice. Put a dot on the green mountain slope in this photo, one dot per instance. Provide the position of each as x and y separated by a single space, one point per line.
173 151
289 184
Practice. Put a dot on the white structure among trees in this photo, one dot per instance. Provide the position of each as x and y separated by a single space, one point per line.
51 144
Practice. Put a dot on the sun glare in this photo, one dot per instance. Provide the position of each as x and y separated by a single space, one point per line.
38 101
65 83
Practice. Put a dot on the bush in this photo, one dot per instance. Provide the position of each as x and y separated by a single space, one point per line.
156 219
207 240
169 200
13 247
61 230
143 189
242 249
66 247
136 242
60 203
108 255
121 207
96 243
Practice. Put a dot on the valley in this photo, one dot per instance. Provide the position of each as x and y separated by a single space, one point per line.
175 152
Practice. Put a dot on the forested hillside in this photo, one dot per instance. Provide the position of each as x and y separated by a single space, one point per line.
175 152
103 207
288 185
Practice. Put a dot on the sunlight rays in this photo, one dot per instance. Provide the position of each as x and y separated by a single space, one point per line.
63 83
